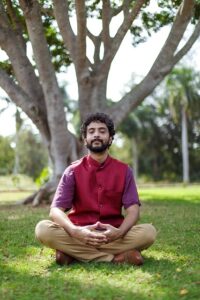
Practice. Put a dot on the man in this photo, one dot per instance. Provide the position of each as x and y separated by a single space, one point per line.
94 189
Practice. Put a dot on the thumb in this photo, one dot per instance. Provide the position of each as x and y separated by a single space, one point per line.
103 226
93 226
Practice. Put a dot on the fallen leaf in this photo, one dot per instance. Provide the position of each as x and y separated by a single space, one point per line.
183 292
158 275
178 270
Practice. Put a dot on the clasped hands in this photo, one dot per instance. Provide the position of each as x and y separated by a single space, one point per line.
96 234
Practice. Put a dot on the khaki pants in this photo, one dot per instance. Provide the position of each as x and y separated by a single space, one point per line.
52 235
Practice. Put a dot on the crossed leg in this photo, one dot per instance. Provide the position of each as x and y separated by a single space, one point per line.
53 236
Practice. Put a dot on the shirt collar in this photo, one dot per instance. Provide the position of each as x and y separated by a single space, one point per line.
93 163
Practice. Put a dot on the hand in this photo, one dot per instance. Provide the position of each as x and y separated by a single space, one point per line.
89 236
112 233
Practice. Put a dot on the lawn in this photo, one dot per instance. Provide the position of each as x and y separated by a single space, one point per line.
171 270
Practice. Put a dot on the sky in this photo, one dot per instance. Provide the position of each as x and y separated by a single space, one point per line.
128 61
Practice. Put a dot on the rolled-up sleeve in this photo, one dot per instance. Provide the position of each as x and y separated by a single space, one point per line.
65 191
130 195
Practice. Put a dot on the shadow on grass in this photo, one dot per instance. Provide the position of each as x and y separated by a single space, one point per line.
176 249
83 281
175 233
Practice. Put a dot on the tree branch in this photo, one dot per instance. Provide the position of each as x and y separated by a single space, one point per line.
21 99
116 41
81 35
16 24
188 45
97 44
161 67
106 18
62 17
22 67
164 61
117 11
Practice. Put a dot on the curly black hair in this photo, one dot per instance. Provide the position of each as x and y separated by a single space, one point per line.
98 117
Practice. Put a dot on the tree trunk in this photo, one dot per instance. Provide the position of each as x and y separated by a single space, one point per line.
184 139
92 95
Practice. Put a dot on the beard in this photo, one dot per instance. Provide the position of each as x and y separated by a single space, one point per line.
98 149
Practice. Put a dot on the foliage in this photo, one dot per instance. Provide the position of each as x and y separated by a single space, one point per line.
43 177
170 271
60 56
121 148
183 90
158 141
32 154
147 24
6 156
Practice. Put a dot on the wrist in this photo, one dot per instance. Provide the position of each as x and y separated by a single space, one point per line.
121 232
73 230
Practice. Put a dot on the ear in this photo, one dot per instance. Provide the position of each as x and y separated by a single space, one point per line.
110 140
84 141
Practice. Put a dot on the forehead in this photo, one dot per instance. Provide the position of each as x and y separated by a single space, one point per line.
96 125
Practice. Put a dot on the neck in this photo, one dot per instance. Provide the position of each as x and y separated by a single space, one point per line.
99 157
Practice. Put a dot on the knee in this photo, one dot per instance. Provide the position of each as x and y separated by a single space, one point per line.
41 230
150 233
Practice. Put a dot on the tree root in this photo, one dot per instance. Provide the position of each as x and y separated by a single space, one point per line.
43 195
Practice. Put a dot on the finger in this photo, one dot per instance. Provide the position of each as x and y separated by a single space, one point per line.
98 241
96 244
107 232
96 235
93 226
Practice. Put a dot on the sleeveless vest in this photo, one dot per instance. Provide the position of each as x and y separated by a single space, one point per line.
98 191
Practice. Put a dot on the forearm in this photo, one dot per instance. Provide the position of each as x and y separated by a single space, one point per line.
60 217
131 218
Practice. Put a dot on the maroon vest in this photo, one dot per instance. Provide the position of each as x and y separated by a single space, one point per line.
98 193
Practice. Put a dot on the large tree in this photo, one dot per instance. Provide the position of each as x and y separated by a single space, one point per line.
33 86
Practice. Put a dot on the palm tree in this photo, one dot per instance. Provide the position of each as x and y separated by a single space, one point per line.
141 128
183 94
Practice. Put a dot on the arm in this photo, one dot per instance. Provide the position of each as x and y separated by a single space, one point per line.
131 218
85 234
58 215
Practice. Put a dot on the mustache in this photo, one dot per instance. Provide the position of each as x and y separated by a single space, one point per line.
97 140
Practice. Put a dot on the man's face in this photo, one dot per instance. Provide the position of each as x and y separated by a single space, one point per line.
97 137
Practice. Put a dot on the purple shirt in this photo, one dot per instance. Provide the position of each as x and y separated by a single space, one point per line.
65 191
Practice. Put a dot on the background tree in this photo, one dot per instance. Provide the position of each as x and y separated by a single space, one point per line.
183 89
158 140
18 127
32 154
6 156
33 86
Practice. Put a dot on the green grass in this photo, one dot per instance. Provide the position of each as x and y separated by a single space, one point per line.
19 182
170 272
